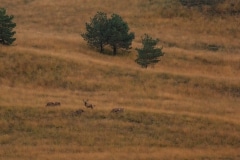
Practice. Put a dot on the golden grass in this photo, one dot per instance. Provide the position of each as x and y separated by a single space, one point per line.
57 131
186 107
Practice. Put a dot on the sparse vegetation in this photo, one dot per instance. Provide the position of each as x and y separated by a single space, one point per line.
186 107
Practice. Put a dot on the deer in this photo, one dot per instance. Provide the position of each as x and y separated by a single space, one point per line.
53 104
117 110
49 104
79 111
88 105
57 104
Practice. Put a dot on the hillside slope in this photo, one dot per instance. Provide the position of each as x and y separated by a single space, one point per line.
185 107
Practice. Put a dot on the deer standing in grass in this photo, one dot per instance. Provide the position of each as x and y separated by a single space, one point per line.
88 105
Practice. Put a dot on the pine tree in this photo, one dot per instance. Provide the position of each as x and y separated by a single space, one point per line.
148 54
118 34
6 27
96 34
102 31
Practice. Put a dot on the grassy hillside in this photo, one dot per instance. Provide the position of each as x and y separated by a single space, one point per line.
42 133
186 107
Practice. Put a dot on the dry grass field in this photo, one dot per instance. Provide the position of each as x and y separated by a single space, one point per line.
185 107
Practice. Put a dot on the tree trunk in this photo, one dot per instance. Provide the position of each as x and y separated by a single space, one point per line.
101 48
114 50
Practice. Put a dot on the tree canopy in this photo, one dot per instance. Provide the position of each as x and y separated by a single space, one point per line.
6 27
118 34
148 54
112 31
96 34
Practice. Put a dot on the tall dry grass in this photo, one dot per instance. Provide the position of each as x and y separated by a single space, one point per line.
58 132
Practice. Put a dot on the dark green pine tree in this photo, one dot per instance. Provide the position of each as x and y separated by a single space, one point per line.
148 54
6 27
118 36
96 34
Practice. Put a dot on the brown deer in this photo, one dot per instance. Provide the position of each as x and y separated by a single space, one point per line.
117 110
79 111
88 105
49 104
53 104
57 104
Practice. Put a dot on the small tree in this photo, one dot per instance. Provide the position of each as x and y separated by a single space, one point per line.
96 34
118 34
6 27
148 54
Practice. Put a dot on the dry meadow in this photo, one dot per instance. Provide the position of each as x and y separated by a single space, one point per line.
185 107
